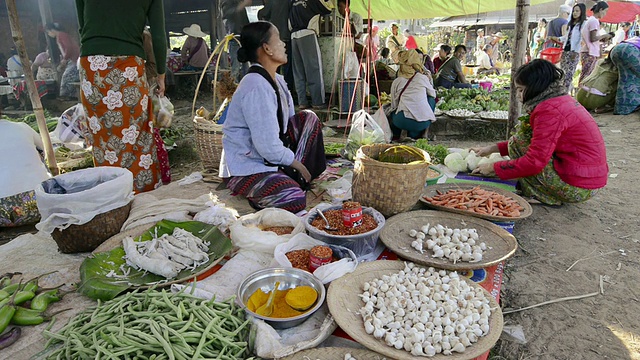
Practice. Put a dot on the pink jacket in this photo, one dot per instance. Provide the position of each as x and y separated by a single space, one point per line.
564 130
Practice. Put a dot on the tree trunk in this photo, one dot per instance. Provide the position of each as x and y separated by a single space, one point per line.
519 53
18 39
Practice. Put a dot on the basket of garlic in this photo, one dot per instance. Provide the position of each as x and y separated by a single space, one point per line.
402 310
447 241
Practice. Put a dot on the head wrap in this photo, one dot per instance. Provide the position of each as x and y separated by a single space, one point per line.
410 62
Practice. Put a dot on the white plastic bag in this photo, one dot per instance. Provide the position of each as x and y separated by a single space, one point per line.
217 214
77 197
326 273
72 125
340 190
351 66
364 131
246 233
381 119
163 109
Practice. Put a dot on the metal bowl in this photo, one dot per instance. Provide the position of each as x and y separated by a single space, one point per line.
289 278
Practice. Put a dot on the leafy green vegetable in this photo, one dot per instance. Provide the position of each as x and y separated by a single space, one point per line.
94 270
333 148
437 152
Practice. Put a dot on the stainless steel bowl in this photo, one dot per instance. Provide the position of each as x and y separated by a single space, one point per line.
289 278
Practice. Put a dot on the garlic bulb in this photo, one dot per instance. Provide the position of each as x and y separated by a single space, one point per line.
453 244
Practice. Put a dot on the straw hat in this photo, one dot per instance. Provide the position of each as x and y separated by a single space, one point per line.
194 30
499 35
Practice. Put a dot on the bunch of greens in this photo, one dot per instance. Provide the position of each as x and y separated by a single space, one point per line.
333 148
437 152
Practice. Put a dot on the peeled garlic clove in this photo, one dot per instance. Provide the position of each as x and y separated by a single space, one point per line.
459 347
413 233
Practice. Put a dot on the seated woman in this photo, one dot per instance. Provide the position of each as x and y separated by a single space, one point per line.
626 57
486 66
263 139
43 68
444 51
22 170
412 97
558 155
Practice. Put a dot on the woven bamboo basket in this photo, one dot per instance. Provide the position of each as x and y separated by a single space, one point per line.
208 133
87 237
386 187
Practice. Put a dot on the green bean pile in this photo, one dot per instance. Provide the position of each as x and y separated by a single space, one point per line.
154 325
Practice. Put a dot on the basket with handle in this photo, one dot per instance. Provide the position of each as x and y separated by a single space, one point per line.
208 133
387 187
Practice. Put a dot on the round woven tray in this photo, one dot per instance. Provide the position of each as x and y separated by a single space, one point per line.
432 190
344 304
459 117
483 117
500 244
334 353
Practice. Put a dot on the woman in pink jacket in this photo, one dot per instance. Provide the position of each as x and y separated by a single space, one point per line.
557 153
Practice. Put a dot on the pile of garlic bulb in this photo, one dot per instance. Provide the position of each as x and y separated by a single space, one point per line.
425 311
453 244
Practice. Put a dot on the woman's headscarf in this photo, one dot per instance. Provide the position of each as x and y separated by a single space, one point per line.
410 62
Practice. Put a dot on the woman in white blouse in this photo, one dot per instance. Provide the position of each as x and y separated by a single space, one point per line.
412 97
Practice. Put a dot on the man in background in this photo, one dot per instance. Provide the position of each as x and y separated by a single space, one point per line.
235 17
395 42
556 26
307 64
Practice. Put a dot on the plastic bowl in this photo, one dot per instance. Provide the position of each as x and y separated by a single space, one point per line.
360 244
289 278
434 180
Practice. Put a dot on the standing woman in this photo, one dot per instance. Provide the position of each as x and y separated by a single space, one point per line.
270 153
571 49
115 92
69 51
590 51
539 33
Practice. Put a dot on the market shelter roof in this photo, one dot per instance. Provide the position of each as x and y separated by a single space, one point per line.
423 9
548 10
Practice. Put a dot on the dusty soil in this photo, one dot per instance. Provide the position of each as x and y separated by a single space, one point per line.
604 231
603 234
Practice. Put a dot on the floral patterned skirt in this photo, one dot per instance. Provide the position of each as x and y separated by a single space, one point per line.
115 96
626 57
547 186
20 209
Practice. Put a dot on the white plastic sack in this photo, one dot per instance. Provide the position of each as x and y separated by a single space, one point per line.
351 66
81 195
326 273
246 233
364 131
72 125
340 190
381 119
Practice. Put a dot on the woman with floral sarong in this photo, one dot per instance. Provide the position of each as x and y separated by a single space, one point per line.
115 92
558 154
270 155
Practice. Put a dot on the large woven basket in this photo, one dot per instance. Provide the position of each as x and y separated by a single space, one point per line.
386 187
208 137
87 237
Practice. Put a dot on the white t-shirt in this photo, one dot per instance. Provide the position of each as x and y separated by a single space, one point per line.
483 60
593 48
21 164
414 100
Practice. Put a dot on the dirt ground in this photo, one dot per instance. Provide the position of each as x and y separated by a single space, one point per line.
599 239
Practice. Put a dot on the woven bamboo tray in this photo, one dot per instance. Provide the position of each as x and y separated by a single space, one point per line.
344 304
432 190
334 353
500 244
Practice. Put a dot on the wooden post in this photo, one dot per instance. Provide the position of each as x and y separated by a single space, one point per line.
519 53
18 40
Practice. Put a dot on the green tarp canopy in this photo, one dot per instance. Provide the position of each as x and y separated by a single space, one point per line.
423 9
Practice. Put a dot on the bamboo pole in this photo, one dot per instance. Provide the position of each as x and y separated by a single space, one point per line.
18 40
520 48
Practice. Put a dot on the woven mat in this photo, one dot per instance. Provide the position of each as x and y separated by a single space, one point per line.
344 303
432 190
334 353
500 244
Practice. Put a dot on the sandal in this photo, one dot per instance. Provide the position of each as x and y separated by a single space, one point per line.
603 109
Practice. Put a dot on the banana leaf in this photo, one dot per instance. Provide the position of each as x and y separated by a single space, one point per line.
93 272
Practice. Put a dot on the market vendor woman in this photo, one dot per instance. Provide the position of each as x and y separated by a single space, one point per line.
264 140
559 155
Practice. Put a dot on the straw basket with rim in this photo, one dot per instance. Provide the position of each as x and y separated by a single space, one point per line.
88 236
208 133
387 187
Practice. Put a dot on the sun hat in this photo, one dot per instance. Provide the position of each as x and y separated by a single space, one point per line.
499 35
565 9
194 30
